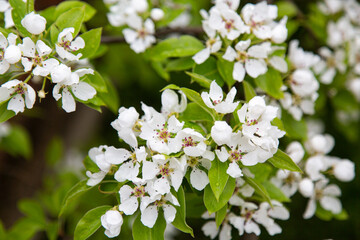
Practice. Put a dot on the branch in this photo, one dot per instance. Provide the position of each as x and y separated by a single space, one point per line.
195 31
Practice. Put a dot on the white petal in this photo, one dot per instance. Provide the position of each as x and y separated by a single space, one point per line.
169 213
230 54
310 209
201 56
16 104
279 64
198 179
83 91
234 170
255 67
149 216
129 206
238 72
68 102
162 186
331 204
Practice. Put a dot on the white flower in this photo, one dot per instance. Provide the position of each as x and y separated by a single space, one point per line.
170 102
34 23
232 4
157 14
279 32
343 169
66 45
127 125
332 63
214 99
190 141
340 32
149 210
7 9
140 37
327 197
248 60
245 221
129 198
303 83
72 85
221 133
295 151
287 181
320 143
95 178
354 86
300 58
9 52
19 93
314 166
296 105
112 221
36 55
227 22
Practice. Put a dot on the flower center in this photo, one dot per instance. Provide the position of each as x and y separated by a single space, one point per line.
19 89
318 194
142 33
160 202
248 215
235 155
66 45
241 56
229 24
210 42
192 161
165 170
1 54
251 122
189 142
139 191
163 134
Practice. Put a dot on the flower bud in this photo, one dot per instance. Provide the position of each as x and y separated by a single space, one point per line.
112 221
34 23
41 94
306 187
157 14
12 54
344 170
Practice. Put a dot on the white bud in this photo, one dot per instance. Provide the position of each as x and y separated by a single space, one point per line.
34 23
279 32
306 187
12 54
344 170
41 94
140 5
157 14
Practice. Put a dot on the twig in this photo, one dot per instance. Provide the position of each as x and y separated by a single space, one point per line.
196 31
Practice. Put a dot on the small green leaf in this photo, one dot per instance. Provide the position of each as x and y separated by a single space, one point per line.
54 33
286 8
322 213
52 230
180 218
220 215
18 13
159 68
201 80
225 69
294 129
17 143
92 40
89 223
194 112
29 6
209 70
271 82
261 171
32 210
283 161
180 64
72 18
73 193
90 165
248 91
96 80
259 188
54 151
111 97
218 177
213 205
141 232
342 216
68 5
274 192
24 229
175 47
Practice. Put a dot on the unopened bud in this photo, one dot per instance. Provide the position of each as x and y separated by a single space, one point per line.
157 14
41 94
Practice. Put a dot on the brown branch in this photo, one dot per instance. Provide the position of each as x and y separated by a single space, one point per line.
195 31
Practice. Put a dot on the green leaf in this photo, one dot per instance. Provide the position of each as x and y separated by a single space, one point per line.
271 82
322 213
248 91
220 215
73 193
54 33
180 64
194 112
52 230
18 142
345 100
180 218
171 13
211 203
24 229
141 232
18 13
225 69
209 70
72 18
49 14
294 129
68 5
342 216
111 97
96 80
274 192
29 6
259 188
261 171
90 165
195 205
2 231
32 210
92 40
89 223
175 47
286 8
283 161
159 69
201 80
218 177
54 151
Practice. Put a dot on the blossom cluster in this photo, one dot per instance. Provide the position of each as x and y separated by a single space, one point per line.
139 20
172 149
37 59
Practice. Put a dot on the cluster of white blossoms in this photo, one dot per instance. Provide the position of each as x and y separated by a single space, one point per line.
139 20
318 166
171 150
36 58
343 40
302 83
254 34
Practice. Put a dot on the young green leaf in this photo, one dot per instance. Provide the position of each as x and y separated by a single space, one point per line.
68 5
89 223
180 218
141 232
294 129
271 82
32 210
17 143
180 64
214 205
259 188
200 79
283 161
218 177
274 192
220 215
248 91
225 69
18 13
194 112
92 40
73 193
72 18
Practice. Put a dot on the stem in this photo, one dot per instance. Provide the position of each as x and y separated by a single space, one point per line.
160 32
28 78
